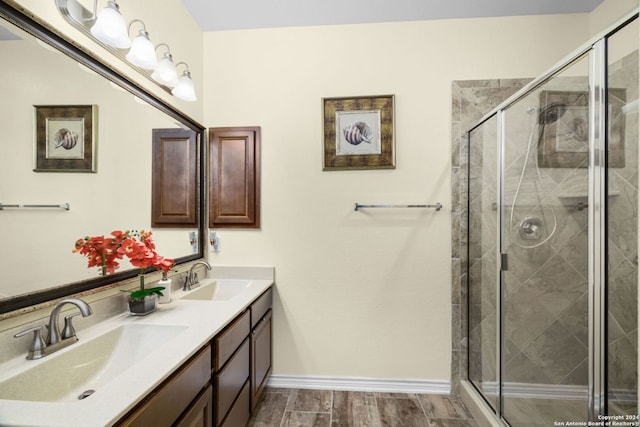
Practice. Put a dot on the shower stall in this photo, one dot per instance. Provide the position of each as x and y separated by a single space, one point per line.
553 242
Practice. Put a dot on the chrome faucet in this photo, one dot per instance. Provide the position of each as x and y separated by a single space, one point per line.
55 340
191 279
54 327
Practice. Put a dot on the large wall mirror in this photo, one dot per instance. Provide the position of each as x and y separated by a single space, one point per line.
40 69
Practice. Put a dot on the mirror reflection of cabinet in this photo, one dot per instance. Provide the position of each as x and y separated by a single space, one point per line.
234 177
174 198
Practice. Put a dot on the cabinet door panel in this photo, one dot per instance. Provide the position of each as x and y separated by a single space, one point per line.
260 358
234 177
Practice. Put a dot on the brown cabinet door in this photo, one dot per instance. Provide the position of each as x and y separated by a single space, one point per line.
174 201
260 358
234 177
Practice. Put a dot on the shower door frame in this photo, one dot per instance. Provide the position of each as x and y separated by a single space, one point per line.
597 217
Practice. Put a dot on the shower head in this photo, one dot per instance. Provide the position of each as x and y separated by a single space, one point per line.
551 113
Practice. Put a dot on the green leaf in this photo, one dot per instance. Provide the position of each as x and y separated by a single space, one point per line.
140 294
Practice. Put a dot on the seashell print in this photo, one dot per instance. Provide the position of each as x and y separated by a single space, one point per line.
65 138
357 132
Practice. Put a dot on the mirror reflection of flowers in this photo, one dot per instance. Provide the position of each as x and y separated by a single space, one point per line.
138 246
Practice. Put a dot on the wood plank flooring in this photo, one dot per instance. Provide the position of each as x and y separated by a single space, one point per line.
326 408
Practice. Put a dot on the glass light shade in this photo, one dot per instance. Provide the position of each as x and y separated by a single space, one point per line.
166 72
142 52
185 89
110 27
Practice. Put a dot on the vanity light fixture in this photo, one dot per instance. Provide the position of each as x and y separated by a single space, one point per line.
142 52
166 72
110 27
185 89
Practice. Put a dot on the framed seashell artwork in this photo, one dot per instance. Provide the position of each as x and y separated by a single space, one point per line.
358 133
65 138
562 123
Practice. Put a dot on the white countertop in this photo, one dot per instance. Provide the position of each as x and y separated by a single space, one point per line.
203 319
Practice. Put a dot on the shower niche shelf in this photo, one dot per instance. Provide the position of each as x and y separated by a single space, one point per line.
580 201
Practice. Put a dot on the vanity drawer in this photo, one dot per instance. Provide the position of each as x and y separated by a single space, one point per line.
228 341
167 402
260 307
239 415
230 380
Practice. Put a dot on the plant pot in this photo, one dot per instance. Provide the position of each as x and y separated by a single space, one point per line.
142 307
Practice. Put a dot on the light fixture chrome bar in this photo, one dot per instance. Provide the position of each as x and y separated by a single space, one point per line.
65 206
436 206
596 230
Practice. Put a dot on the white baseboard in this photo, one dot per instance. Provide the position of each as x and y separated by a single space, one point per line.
360 384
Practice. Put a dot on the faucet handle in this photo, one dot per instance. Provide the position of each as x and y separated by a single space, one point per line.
38 345
69 331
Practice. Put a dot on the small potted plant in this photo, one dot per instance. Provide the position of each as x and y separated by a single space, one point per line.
139 247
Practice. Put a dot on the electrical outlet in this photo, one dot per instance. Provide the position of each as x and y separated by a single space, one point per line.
214 241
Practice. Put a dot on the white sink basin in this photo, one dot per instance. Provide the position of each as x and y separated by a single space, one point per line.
218 290
87 365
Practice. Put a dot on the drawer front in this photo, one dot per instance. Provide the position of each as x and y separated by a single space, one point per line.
239 413
228 341
200 412
230 380
173 397
260 307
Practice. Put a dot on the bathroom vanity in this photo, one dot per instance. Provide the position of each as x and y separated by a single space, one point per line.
209 360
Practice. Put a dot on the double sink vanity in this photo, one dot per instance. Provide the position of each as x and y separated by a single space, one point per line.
202 359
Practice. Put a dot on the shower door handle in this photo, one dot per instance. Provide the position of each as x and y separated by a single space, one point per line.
504 262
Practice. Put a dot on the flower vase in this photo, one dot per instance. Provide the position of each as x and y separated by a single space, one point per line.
144 306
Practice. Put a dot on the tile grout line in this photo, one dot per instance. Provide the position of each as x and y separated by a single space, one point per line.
331 412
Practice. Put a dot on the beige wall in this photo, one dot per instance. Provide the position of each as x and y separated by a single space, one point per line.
362 294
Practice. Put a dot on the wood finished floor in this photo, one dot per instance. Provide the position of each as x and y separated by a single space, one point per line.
325 408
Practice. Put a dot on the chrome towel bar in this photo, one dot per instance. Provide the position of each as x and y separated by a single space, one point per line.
65 206
436 206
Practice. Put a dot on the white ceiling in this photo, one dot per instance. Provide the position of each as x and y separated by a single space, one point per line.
219 15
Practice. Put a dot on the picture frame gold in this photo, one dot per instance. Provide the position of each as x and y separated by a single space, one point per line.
65 138
358 133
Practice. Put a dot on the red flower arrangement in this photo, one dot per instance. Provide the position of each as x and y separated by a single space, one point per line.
138 246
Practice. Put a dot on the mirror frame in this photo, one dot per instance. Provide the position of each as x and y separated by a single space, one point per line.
40 31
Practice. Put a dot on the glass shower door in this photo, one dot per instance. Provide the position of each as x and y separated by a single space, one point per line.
544 234
483 277
622 221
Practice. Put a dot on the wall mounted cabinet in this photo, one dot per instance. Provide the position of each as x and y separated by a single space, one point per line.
234 177
174 200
